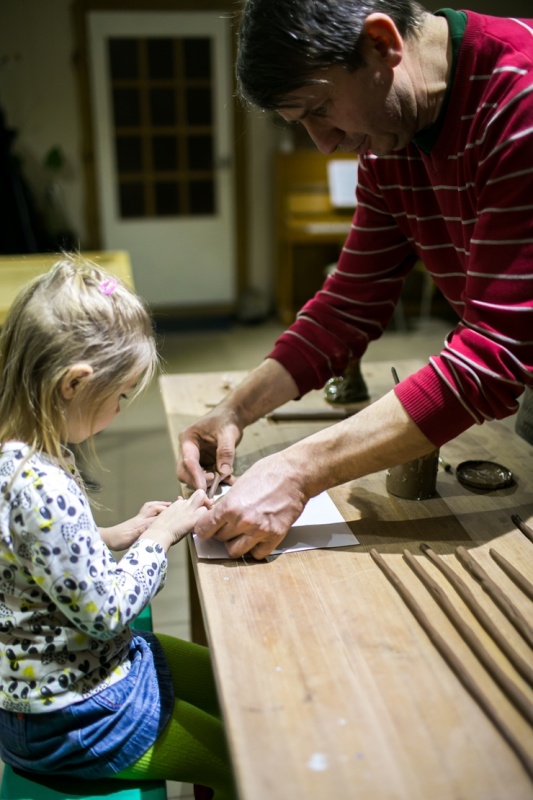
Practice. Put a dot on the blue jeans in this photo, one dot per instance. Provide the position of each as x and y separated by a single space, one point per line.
102 735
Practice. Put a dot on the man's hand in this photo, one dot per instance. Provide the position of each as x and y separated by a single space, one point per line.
257 512
208 446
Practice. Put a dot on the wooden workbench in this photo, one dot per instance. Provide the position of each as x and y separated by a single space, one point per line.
330 688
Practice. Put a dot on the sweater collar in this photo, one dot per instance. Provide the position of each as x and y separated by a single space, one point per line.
457 23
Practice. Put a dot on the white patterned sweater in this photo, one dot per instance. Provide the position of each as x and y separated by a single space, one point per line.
65 602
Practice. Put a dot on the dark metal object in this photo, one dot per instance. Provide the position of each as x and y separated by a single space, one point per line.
486 475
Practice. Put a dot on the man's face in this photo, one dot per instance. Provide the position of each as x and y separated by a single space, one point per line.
369 109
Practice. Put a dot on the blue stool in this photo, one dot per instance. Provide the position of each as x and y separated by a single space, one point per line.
143 621
18 785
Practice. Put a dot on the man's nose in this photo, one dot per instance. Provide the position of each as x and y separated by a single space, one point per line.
326 137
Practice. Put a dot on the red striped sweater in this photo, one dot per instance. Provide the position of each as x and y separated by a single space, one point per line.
466 210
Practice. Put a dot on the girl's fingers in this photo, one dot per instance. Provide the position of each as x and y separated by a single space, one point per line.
198 498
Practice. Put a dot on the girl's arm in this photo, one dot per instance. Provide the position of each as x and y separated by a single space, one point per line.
123 535
55 538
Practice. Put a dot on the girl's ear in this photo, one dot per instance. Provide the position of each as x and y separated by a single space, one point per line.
73 379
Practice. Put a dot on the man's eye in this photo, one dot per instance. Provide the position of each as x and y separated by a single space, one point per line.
321 111
123 397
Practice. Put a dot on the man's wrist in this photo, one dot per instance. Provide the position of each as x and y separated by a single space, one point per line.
268 386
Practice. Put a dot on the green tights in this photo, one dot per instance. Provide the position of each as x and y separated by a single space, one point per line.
192 747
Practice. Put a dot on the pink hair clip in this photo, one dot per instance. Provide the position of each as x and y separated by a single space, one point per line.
108 286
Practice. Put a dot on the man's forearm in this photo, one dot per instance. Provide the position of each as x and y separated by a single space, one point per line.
268 386
380 436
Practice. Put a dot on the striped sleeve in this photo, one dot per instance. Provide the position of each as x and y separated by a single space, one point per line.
488 359
356 302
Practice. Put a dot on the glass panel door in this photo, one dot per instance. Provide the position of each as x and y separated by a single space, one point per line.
162 99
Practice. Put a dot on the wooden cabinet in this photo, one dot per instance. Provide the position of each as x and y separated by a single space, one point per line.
310 231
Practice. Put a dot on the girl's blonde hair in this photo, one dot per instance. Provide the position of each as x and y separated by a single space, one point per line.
76 312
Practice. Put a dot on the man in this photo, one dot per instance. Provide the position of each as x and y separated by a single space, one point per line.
439 109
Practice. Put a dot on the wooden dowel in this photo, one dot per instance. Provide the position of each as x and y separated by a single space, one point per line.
455 664
308 414
516 576
505 605
521 525
484 619
515 695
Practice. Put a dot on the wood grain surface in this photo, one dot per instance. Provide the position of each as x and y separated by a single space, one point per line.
329 685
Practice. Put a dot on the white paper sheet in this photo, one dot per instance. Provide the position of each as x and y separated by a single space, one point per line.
320 525
342 180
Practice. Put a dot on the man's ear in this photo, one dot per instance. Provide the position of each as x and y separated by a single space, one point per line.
73 379
381 37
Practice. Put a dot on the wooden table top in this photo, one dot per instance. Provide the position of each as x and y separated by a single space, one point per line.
329 685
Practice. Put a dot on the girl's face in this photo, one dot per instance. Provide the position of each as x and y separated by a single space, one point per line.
79 423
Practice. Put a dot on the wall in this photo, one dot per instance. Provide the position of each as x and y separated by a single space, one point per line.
38 93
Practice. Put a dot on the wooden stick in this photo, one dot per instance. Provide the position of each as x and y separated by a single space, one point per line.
308 414
521 525
519 663
517 697
455 664
495 593
512 572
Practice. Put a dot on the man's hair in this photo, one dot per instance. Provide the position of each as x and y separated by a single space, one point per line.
282 44
76 312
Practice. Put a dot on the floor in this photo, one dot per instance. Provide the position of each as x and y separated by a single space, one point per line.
137 455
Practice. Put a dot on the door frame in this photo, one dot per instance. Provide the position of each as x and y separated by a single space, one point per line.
81 10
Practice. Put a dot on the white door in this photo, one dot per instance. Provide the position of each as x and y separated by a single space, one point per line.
162 99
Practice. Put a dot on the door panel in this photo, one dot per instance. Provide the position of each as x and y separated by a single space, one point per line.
162 99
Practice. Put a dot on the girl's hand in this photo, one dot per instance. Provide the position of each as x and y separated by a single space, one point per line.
123 535
178 519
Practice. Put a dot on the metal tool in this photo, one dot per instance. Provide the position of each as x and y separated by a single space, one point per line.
214 486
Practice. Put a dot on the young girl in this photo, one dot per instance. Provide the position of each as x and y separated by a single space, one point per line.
81 692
